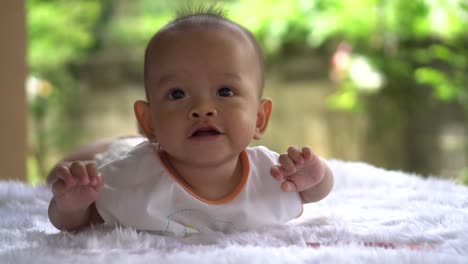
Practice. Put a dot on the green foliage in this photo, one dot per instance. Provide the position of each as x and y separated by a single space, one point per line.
393 34
59 32
33 175
346 99
409 45
275 23
419 41
60 35
135 29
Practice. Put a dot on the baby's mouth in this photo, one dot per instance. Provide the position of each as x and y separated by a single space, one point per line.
205 132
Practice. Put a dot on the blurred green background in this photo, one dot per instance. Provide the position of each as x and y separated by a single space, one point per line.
379 81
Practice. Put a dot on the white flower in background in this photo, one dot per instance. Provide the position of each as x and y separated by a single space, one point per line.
365 77
36 87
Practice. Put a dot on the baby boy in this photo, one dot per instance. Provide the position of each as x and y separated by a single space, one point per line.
204 77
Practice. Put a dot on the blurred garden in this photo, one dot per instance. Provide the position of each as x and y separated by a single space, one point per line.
379 81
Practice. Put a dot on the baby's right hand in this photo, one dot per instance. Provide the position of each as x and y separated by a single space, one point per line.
76 186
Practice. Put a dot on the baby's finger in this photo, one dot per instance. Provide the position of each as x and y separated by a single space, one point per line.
91 168
288 186
307 153
287 164
295 154
78 170
275 171
58 188
63 180
92 171
62 173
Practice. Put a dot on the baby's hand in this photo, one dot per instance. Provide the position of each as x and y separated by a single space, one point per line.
76 187
299 169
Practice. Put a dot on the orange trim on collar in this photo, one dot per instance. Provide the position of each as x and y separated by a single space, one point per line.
245 175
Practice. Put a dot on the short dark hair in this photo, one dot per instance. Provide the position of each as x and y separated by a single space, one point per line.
204 15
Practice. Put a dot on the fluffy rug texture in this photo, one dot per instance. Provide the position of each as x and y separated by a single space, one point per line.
372 216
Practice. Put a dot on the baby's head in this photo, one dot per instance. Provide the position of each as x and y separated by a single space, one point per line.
210 19
204 78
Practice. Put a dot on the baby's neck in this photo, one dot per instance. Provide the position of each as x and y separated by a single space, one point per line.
211 183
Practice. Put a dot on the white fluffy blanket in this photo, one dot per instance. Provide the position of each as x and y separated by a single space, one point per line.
372 216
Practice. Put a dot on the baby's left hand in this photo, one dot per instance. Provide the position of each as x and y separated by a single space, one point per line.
300 169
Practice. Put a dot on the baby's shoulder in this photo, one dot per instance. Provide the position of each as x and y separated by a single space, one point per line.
261 154
118 148
134 167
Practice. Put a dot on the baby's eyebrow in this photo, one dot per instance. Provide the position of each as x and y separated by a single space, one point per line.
168 78
232 76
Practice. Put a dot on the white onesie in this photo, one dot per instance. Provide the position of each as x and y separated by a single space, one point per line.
140 192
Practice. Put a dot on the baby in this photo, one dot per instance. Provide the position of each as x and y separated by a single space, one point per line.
204 77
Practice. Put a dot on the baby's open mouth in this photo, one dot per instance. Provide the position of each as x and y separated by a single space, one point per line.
203 132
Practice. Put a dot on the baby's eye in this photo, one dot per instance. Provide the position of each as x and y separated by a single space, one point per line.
176 94
225 91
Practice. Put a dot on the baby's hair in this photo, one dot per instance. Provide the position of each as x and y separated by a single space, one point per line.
202 15
210 10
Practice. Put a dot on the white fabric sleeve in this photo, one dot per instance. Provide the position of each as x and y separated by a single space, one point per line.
118 148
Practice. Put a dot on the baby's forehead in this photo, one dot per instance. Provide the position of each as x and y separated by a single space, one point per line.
182 29
204 24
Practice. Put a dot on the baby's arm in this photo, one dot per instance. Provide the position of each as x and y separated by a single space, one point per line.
75 189
304 172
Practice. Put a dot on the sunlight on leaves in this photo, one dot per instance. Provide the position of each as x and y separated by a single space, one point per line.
443 88
344 100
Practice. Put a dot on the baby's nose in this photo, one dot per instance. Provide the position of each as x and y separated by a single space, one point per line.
203 111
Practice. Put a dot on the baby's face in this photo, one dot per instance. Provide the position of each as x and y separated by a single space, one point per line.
204 94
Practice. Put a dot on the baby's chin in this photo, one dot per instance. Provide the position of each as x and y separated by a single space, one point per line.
206 157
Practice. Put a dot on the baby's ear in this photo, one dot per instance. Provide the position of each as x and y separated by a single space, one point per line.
143 116
263 116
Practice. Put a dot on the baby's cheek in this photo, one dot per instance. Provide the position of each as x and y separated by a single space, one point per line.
244 126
